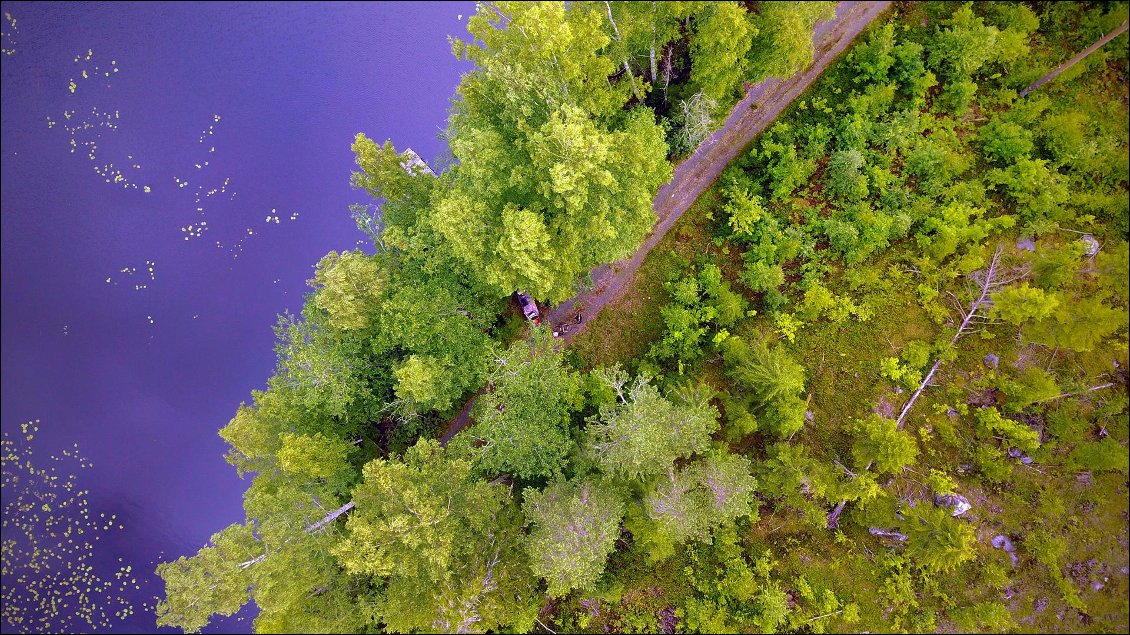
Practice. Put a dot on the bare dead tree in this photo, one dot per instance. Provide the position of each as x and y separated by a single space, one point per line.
984 283
652 50
989 282
697 121
467 610
370 219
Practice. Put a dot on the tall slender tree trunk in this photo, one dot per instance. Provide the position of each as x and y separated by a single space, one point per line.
327 519
653 18
330 517
627 66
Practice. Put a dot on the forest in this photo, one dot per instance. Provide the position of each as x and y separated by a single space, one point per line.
875 379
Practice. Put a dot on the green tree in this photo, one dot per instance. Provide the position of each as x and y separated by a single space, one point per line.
490 587
1020 303
875 57
574 526
1004 141
551 178
432 332
643 433
936 541
319 599
414 518
962 45
211 582
769 371
405 195
348 288
522 422
690 503
880 442
985 617
1014 433
744 210
719 45
324 380
315 457
1079 325
422 380
1106 454
845 178
782 37
774 381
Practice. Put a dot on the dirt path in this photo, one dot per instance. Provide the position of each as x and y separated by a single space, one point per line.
753 114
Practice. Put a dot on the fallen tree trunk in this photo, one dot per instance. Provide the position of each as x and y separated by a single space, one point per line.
327 519
1075 60
989 284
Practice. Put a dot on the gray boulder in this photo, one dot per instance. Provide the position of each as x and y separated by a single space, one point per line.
1004 542
889 534
1091 244
957 503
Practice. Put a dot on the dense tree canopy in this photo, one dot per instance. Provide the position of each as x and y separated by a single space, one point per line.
643 433
824 296
574 528
522 422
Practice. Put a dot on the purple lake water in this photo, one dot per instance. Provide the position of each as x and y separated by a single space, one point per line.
170 174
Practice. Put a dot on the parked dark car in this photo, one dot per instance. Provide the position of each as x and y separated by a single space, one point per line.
529 308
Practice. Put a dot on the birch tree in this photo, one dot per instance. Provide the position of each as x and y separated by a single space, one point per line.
643 433
574 527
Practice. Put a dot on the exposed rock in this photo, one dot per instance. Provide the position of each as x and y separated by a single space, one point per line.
885 408
1091 244
1017 454
808 415
668 621
1026 244
1004 542
888 533
1096 585
992 360
955 502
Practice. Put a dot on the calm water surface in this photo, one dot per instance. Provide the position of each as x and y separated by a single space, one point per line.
238 119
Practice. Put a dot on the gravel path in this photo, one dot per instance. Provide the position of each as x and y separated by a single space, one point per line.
762 104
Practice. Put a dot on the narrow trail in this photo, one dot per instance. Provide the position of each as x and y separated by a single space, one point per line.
760 107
